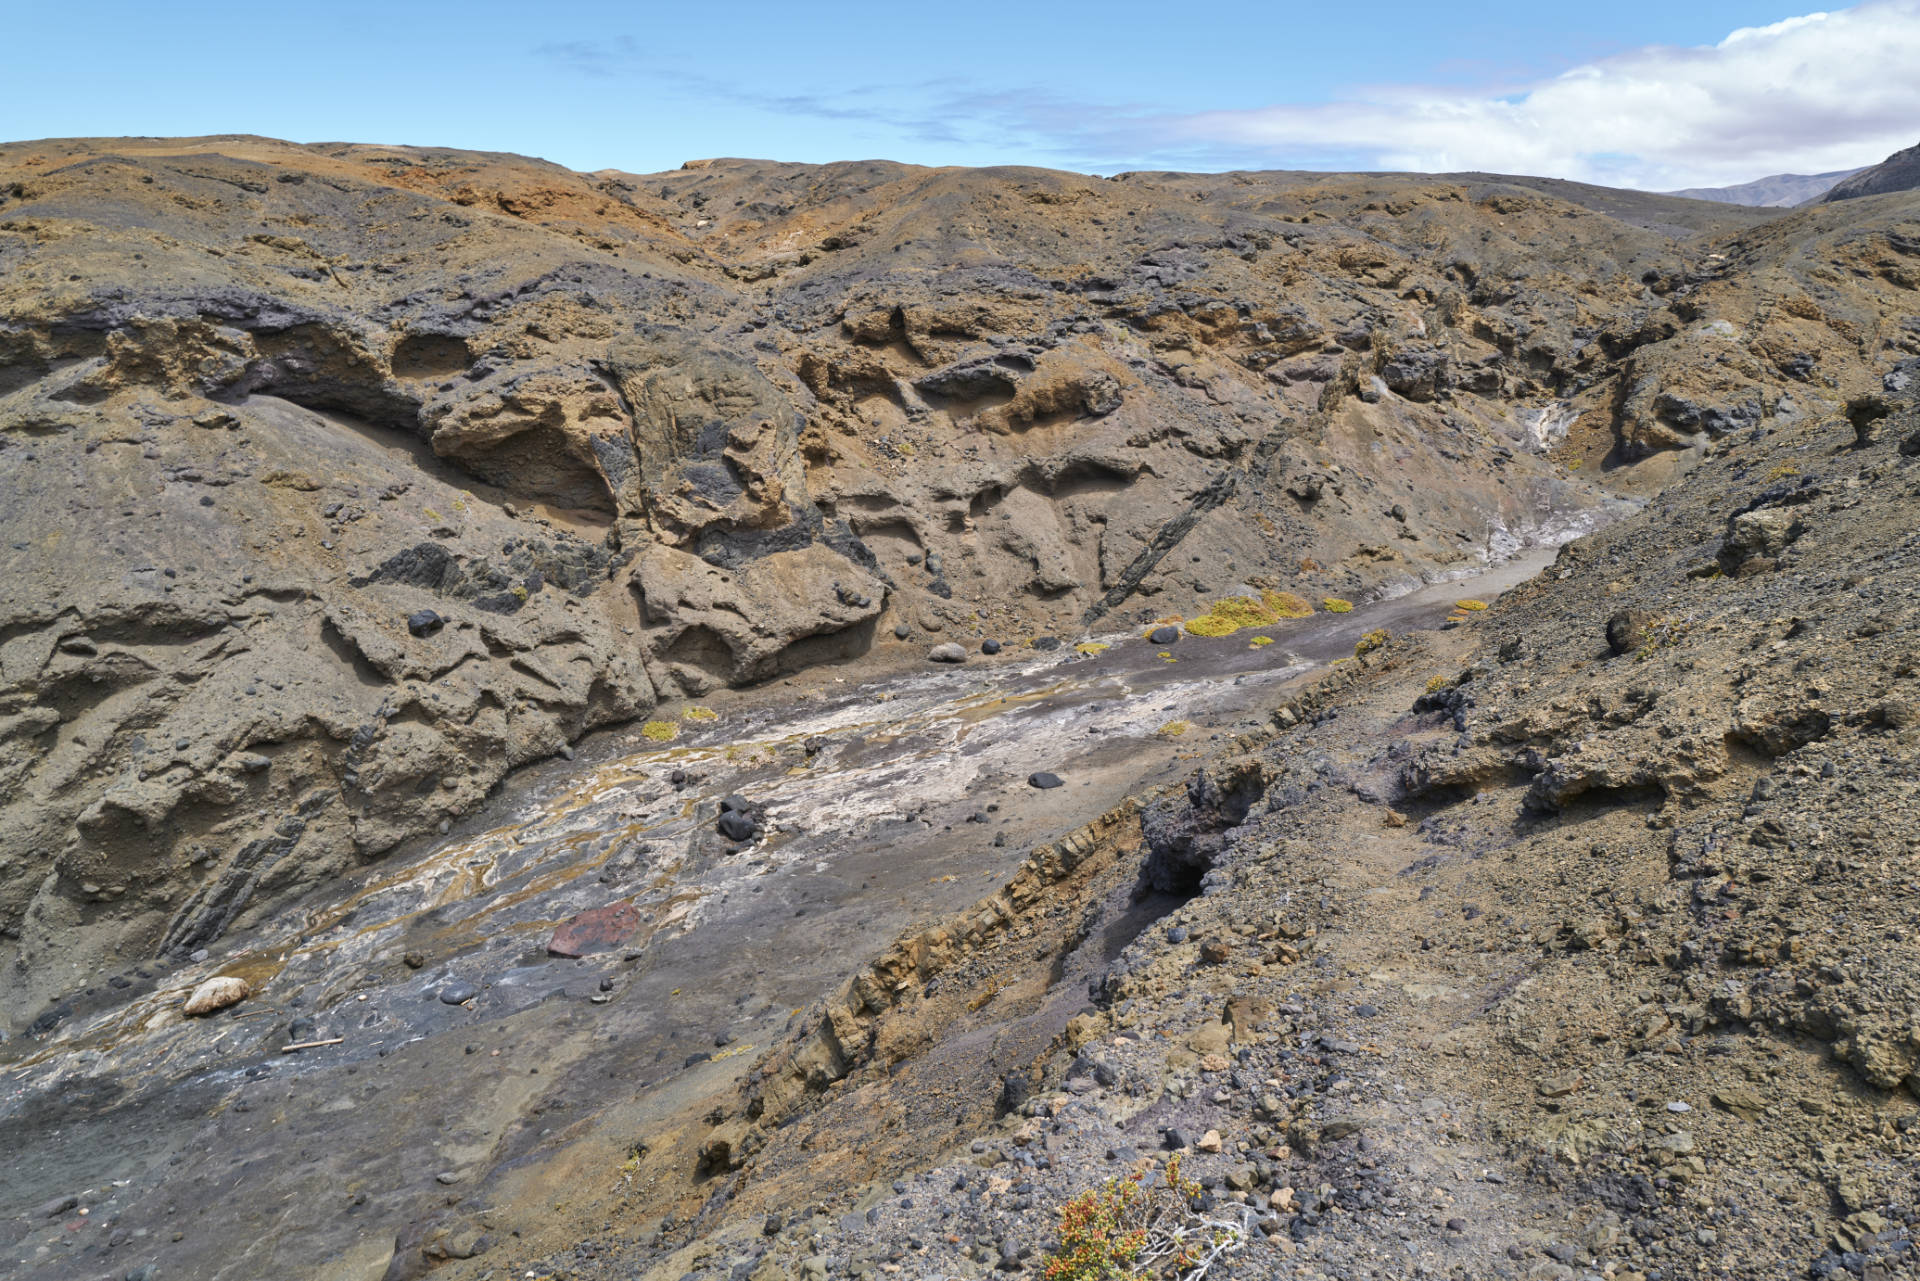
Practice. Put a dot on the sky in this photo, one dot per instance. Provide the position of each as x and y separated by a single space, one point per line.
1656 94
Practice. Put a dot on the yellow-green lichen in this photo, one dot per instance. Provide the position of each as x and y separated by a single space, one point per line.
1260 642
1371 641
1288 605
1470 606
695 712
1334 605
1090 648
660 731
1236 613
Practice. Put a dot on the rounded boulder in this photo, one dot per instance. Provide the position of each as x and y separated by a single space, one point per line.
216 994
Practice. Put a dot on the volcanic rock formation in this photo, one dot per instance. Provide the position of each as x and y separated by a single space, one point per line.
340 480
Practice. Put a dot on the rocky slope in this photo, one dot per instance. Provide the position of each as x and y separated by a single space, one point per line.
1898 172
1572 942
337 482
341 480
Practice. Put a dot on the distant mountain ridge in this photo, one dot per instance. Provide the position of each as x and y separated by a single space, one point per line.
1778 191
1898 172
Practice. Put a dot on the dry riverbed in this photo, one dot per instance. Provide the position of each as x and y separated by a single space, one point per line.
455 1047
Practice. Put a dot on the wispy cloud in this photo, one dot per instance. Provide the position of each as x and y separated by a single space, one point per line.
602 59
943 111
899 107
1810 94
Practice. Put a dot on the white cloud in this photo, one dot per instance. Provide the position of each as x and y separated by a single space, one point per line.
1807 95
1773 29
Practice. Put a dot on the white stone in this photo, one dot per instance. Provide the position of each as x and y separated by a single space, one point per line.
216 994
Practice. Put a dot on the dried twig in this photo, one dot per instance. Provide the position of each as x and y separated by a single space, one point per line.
1225 1237
310 1045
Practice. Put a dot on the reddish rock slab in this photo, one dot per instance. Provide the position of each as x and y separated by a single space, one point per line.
598 929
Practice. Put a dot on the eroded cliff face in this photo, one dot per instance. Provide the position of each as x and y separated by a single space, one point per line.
1574 940
338 481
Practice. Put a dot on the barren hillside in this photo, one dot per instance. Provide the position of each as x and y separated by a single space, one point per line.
339 482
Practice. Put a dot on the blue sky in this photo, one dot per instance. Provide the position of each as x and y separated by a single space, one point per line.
1635 92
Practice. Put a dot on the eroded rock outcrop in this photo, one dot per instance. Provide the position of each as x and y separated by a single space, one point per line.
338 481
